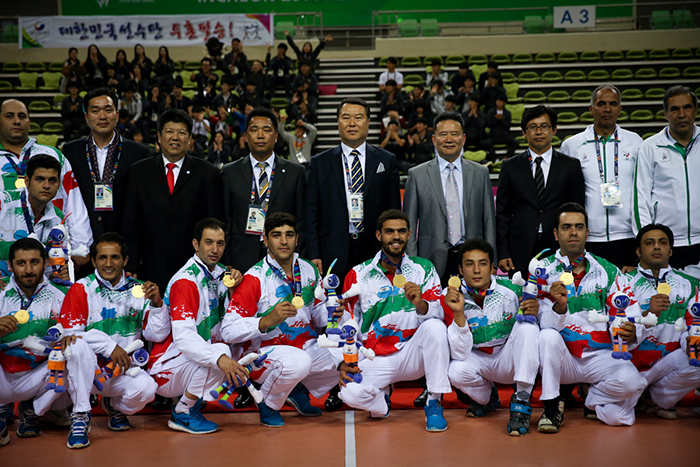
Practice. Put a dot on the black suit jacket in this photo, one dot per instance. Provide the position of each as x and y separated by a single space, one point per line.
327 217
286 195
103 221
519 211
159 227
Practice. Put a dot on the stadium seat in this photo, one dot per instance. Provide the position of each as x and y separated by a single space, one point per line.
648 135
427 61
411 60
556 141
623 117
528 77
516 112
661 19
58 100
382 61
567 57
683 19
28 81
281 27
622 74
12 67
660 116
35 66
659 54
501 59
682 53
39 106
654 93
598 75
47 140
613 56
533 25
192 65
551 77
429 27
697 52
220 73
549 24
586 117
279 102
178 65
475 156
645 73
478 70
575 75
6 86
582 95
512 91
631 95
642 115
522 141
55 66
670 72
187 82
53 127
522 58
477 59
558 96
190 93
567 117
508 77
534 96
52 81
34 128
545 57
413 80
591 56
455 60
691 72
636 54
408 28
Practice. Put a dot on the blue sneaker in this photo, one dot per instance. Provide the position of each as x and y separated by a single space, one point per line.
7 413
117 420
269 417
28 420
193 421
299 399
4 434
79 429
388 408
434 420
520 413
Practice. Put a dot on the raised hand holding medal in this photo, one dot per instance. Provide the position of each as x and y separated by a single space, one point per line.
663 288
22 316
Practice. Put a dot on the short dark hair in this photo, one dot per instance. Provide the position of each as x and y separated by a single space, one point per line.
475 244
464 66
537 111
420 103
393 122
423 120
438 83
123 113
572 207
178 83
436 61
493 65
205 59
650 227
495 75
451 98
228 80
502 96
392 60
235 39
449 116
279 219
175 116
353 101
677 91
304 62
26 244
392 214
470 76
100 92
419 86
208 223
110 237
282 46
42 161
262 112
72 84
390 82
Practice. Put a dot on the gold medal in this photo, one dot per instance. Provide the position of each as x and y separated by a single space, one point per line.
19 183
399 280
137 291
229 281
567 278
663 288
298 302
454 282
22 316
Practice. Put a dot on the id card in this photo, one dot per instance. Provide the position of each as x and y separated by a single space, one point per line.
280 73
103 198
357 210
300 157
256 220
610 195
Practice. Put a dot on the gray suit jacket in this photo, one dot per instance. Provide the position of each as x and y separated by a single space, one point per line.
424 204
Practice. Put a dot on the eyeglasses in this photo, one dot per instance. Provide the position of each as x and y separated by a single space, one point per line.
533 128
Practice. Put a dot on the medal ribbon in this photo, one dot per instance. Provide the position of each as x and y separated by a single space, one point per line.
130 284
573 264
20 169
29 303
25 211
600 160
657 280
294 285
386 259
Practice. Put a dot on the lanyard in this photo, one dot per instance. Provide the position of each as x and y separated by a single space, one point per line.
116 161
25 211
29 303
266 196
20 169
130 284
297 276
299 145
600 160
386 259
656 280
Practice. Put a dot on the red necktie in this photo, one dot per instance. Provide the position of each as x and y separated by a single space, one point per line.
171 176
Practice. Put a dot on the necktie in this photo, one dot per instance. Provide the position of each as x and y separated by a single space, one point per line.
357 182
263 183
171 176
539 177
454 223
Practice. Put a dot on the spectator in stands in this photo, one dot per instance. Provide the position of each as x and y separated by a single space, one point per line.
196 149
124 126
235 62
152 110
392 74
474 125
215 49
436 73
301 111
467 93
305 84
301 142
132 103
138 136
499 121
493 89
141 59
252 96
139 80
204 78
122 67
421 142
226 98
72 112
178 101
457 81
392 114
227 123
164 68
219 153
438 94
390 98
94 68
492 67
420 109
416 94
71 70
307 52
241 149
257 74
280 67
200 126
396 144
114 82
450 103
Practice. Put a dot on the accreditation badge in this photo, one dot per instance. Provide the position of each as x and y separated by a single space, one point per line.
104 197
357 210
255 224
610 195
300 157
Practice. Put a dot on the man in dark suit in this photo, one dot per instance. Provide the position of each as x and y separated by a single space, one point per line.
103 159
166 196
243 191
531 187
347 188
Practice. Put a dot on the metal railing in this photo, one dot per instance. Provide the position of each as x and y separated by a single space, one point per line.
306 23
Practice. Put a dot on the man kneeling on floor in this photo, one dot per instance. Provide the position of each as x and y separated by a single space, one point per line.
487 344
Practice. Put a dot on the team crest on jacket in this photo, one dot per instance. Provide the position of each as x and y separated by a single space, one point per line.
584 158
